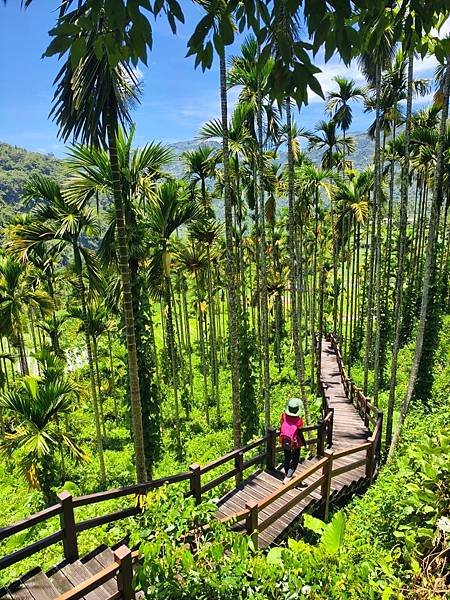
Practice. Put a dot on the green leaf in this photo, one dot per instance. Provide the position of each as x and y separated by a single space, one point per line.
59 45
274 556
333 534
77 51
313 524
64 29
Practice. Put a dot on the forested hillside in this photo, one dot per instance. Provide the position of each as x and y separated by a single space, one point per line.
18 164
232 353
16 167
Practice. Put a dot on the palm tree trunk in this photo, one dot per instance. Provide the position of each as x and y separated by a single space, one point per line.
97 373
22 353
173 359
377 240
135 397
430 257
112 381
213 340
314 289
187 336
262 254
398 300
82 291
369 306
293 266
230 262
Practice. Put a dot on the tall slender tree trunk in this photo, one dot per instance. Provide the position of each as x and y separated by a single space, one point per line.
98 431
430 257
173 357
398 300
299 367
263 262
112 381
213 340
24 369
122 242
230 262
99 389
377 241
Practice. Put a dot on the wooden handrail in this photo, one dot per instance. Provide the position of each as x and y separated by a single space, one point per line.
292 483
38 517
65 508
232 455
121 567
352 450
289 504
130 490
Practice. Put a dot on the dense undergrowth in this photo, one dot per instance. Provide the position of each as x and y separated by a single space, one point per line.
379 546
378 542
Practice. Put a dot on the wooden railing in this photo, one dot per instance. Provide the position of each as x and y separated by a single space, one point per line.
121 568
369 413
370 451
252 514
70 527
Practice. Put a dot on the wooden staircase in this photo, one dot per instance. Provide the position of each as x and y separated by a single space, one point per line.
103 574
342 459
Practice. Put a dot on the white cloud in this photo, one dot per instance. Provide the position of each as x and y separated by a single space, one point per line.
331 70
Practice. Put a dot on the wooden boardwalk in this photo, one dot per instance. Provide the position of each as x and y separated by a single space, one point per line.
348 431
347 439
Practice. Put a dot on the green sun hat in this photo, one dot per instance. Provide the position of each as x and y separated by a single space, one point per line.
294 407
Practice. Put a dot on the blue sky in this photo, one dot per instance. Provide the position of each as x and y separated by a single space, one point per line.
176 99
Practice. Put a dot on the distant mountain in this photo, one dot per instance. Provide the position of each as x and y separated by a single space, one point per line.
176 168
17 164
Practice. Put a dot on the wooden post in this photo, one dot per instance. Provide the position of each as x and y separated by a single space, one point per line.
324 400
239 461
366 414
67 520
327 472
380 435
330 429
195 484
123 558
370 465
271 448
251 521
320 437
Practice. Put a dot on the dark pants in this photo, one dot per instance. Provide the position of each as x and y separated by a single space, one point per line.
291 460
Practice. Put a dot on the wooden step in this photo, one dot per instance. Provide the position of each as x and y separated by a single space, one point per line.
76 573
34 586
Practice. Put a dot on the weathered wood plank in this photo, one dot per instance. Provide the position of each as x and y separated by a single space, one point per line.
77 574
40 587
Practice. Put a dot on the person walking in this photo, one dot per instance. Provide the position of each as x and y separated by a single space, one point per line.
291 436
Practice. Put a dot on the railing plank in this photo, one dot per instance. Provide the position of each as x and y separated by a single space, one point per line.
232 455
349 467
38 517
108 518
289 504
218 480
130 490
352 450
18 555
294 481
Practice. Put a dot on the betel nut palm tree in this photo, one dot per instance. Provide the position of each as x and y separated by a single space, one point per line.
59 224
36 406
217 23
94 90
172 208
15 296
140 170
